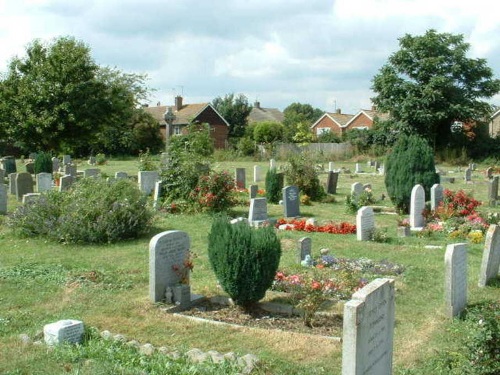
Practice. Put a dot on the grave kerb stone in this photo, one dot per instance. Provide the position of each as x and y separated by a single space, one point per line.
490 264
455 278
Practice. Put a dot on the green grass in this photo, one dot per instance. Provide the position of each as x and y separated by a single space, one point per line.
106 286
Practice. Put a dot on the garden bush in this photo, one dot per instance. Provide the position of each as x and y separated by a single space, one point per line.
244 259
93 211
411 162
43 163
301 173
274 185
213 192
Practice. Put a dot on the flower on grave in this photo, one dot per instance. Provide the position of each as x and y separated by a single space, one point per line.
403 222
183 270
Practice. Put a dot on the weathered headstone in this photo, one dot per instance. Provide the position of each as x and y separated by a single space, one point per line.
468 175
3 198
63 331
121 175
240 178
331 182
92 160
493 191
330 166
8 164
30 198
455 278
65 182
258 211
376 166
43 182
365 224
489 173
304 246
358 168
256 173
30 167
2 175
417 206
147 181
381 170
253 190
167 251
291 201
368 330
491 256
70 170
436 196
24 185
356 190
55 164
12 183
32 155
66 159
91 172
272 164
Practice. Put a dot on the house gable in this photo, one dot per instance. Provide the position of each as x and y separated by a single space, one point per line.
331 122
494 127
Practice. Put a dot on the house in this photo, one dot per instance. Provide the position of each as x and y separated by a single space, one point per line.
339 123
494 127
186 114
259 114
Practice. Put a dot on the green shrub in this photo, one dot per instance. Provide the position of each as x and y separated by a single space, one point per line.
100 159
244 259
43 163
301 173
93 211
411 162
146 162
274 185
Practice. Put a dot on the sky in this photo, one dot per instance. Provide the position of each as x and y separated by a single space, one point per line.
278 52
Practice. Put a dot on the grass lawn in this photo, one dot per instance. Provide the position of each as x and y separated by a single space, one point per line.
106 287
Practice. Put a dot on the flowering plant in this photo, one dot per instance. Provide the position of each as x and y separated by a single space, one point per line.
300 225
183 270
403 222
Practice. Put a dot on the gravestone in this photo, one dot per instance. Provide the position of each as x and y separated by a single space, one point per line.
468 175
167 250
92 160
3 198
381 170
256 173
32 155
2 175
272 164
258 211
331 182
436 196
493 191
356 191
147 181
376 166
9 164
330 166
55 164
253 190
30 167
417 206
365 224
70 170
291 202
65 182
489 172
66 159
455 260
157 195
304 246
368 330
63 331
240 178
12 183
30 198
24 185
121 175
91 172
490 263
358 168
43 182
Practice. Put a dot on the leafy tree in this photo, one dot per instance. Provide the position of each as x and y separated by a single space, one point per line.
303 133
411 162
430 83
57 98
235 109
297 113
196 141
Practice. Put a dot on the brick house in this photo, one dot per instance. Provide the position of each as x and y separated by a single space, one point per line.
339 123
260 114
494 128
186 114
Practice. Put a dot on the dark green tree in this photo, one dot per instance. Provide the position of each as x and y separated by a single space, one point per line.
297 113
411 162
430 83
235 109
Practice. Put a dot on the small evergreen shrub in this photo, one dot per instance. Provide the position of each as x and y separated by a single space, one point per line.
411 162
94 211
244 259
302 173
43 163
274 186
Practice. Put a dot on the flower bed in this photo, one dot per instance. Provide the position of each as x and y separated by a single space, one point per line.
302 225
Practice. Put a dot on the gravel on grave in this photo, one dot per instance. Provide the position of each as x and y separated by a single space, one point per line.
323 325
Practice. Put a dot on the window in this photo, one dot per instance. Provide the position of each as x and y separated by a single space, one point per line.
320 131
177 130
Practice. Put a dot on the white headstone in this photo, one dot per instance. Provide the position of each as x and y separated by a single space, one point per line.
43 182
491 256
417 206
63 331
258 210
3 198
330 166
365 224
147 181
272 164
455 260
358 168
167 250
256 173
436 196
157 195
368 330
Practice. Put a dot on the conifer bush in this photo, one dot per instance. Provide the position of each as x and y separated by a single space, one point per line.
411 162
43 163
244 259
274 185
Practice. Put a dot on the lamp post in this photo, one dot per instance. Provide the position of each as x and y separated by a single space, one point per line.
169 117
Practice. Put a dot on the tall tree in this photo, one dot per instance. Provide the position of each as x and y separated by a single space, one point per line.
235 109
298 113
430 83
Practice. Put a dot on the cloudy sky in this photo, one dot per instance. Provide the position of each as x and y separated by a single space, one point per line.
321 52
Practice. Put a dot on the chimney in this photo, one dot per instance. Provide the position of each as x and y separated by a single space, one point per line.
178 103
374 107
338 111
256 105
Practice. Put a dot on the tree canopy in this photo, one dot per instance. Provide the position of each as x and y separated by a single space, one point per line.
298 113
235 109
430 83
56 98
